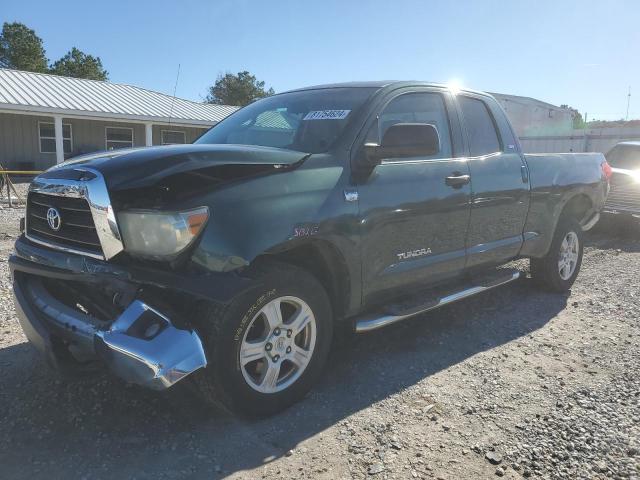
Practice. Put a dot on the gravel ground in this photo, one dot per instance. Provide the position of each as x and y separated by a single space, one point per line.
513 383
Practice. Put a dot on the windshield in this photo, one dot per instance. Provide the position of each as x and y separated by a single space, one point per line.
308 121
626 157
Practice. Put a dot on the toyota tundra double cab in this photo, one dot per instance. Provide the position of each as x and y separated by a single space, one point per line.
305 215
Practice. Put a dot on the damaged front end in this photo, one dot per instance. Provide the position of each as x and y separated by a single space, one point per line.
141 344
108 267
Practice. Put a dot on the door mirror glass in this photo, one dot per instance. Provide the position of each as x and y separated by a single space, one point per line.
405 140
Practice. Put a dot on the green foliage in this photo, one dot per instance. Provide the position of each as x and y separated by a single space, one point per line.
78 64
240 89
578 120
21 48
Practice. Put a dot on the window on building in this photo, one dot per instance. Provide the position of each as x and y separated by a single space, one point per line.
118 137
481 130
47 132
173 137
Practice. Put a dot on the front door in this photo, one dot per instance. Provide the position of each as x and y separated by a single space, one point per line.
413 224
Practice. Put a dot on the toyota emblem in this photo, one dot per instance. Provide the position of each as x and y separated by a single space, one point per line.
53 219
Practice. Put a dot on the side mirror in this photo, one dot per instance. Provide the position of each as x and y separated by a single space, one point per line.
404 140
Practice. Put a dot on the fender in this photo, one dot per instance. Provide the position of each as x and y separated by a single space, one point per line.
557 179
272 214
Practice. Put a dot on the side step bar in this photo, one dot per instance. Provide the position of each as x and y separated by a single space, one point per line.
375 321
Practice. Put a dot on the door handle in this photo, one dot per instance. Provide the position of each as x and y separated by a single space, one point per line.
457 180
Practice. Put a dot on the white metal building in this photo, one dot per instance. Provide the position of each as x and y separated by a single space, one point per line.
532 118
46 118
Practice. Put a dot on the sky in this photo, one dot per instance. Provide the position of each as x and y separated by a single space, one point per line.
580 53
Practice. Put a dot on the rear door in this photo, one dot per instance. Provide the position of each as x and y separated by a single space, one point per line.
413 224
499 183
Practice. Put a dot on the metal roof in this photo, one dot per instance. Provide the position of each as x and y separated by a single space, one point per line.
44 93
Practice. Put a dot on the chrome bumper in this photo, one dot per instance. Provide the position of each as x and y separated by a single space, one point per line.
141 346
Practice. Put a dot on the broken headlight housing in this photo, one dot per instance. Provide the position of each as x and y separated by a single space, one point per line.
160 234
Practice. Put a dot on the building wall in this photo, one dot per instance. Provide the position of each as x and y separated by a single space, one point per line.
90 135
20 142
191 134
587 140
531 117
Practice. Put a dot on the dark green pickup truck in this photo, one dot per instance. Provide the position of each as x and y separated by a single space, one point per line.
302 216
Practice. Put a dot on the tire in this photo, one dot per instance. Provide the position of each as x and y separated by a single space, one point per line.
249 389
546 271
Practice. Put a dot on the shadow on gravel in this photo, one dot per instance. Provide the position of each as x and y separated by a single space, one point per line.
616 232
97 427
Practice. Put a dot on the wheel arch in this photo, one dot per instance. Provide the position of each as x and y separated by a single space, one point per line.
327 264
578 206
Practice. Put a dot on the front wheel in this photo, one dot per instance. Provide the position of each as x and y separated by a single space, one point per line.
559 268
268 347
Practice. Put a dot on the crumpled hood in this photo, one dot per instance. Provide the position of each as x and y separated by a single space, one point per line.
147 166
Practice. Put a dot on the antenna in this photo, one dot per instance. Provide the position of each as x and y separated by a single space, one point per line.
628 102
175 87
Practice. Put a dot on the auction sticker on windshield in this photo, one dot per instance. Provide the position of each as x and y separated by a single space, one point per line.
327 115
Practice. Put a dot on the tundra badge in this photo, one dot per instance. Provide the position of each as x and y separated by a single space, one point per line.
413 253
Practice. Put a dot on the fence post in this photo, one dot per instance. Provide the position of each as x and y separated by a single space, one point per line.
6 178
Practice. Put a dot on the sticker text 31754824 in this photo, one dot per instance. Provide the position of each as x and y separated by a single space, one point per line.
327 115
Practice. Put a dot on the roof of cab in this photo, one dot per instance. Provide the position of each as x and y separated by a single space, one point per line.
382 84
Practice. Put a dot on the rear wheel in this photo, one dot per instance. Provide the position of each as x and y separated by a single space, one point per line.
268 347
559 268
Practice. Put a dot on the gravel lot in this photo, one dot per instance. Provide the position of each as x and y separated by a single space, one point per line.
513 383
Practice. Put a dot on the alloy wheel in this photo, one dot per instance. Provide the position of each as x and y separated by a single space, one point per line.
568 256
278 344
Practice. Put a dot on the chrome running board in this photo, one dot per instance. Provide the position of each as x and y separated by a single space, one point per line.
375 321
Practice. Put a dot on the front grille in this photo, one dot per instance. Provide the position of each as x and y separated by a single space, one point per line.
77 230
624 197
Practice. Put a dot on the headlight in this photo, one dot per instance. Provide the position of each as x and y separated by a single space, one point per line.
160 234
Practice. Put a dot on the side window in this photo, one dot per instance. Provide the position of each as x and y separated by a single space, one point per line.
483 138
418 108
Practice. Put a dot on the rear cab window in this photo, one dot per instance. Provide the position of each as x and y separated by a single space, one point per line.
482 133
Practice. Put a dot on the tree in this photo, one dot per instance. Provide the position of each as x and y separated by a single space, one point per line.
578 121
21 48
78 64
240 89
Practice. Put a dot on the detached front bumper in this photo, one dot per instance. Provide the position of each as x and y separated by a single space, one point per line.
141 344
